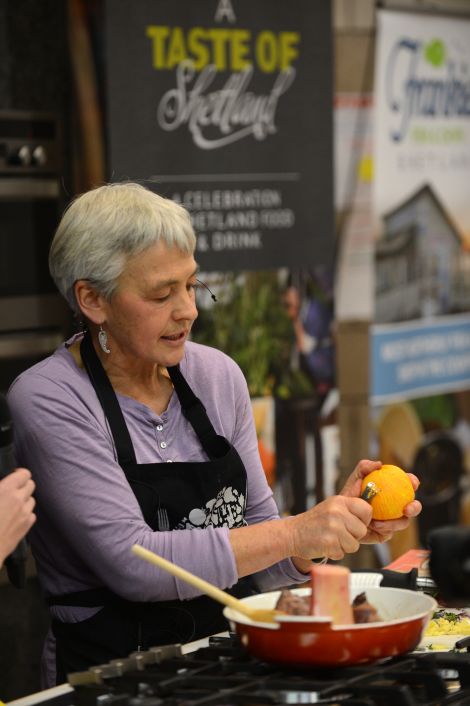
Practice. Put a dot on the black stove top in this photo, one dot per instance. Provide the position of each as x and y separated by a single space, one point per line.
223 674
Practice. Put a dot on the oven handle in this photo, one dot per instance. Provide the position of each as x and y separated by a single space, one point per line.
22 189
24 345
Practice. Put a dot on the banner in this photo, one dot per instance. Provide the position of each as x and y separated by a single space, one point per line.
226 107
422 93
420 343
420 358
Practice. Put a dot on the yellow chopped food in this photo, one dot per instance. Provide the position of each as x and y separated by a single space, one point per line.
442 626
436 647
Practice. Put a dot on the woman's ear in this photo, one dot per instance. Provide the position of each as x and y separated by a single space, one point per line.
91 303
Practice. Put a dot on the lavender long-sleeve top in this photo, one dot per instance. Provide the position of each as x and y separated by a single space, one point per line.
87 515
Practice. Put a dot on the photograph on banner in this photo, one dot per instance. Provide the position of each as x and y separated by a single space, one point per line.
278 326
420 338
226 107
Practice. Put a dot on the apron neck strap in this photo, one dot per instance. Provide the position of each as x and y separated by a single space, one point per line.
196 414
108 400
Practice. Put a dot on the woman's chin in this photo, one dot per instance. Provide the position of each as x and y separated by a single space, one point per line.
172 357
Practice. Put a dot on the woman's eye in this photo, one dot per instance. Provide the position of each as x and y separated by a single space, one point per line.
162 297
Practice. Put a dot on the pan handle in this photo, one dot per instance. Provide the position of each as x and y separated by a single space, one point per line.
402 579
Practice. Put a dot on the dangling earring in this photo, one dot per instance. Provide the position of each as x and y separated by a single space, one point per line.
103 340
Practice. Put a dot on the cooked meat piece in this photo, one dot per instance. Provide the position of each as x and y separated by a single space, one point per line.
360 598
292 604
363 611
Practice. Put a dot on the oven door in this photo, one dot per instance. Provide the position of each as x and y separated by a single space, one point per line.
29 213
33 316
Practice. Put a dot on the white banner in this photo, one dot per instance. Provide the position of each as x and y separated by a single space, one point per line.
422 205
422 92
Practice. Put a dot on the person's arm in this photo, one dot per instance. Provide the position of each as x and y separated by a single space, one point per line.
304 341
90 517
16 510
333 528
280 551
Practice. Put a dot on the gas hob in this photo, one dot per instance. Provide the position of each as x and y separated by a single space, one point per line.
223 674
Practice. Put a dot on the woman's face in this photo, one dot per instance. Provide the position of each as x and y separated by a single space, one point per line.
150 315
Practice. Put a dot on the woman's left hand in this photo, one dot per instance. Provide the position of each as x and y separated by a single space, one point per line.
380 530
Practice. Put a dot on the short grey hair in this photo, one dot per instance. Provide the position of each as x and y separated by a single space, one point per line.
101 229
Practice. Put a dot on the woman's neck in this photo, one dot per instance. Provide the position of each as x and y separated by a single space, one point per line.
148 384
151 387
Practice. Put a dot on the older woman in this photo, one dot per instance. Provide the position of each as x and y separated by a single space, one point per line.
136 435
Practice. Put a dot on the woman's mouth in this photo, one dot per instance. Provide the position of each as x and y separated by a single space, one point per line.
175 337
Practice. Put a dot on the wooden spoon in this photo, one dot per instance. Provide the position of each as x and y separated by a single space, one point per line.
260 615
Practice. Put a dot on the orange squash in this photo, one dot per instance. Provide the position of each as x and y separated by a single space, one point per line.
268 461
394 492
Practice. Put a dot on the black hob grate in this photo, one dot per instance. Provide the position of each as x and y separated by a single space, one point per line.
223 674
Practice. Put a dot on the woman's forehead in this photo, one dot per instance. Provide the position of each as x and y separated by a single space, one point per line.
160 262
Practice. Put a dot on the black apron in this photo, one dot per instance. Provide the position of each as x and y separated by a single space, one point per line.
171 496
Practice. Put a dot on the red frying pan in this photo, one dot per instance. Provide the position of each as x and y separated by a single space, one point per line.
308 640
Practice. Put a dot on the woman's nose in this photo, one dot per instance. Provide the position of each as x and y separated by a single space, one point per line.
186 307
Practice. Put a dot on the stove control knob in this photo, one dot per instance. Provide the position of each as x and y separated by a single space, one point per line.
39 155
21 156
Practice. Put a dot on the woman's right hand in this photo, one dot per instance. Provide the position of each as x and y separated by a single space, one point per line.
16 509
331 529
